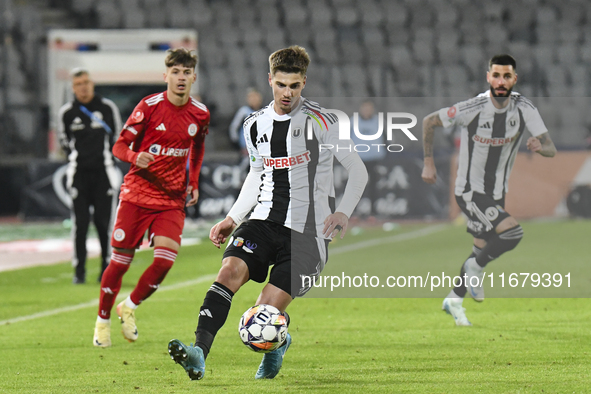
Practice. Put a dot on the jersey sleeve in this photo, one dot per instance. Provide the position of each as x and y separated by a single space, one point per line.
256 162
63 132
533 121
197 152
349 158
136 123
449 116
116 120
134 127
462 113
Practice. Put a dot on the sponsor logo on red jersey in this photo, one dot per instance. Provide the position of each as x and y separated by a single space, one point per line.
493 141
287 162
159 150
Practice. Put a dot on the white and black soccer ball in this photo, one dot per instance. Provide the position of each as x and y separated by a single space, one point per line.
263 328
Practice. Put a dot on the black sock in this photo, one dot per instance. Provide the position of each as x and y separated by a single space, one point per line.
461 289
499 244
212 315
286 318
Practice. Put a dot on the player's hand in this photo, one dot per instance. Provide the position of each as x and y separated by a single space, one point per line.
144 159
334 223
534 144
194 196
429 174
221 231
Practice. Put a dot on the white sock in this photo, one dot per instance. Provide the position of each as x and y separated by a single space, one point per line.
472 265
129 303
455 298
101 320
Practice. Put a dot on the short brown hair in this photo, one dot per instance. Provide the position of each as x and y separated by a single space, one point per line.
294 59
180 57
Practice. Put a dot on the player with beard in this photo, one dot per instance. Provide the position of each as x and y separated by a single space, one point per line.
493 124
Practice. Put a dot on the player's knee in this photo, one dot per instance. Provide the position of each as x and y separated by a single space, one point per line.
510 238
234 271
506 224
163 264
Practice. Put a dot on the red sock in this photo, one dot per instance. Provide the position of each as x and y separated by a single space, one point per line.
154 274
111 282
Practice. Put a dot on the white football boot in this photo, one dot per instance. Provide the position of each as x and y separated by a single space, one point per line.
453 306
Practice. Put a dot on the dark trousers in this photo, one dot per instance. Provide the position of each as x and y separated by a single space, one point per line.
90 188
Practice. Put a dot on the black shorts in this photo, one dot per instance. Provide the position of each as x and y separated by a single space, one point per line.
484 213
292 255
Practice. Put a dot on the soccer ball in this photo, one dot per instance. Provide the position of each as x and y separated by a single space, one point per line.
263 328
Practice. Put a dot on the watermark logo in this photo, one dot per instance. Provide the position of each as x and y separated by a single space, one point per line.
394 122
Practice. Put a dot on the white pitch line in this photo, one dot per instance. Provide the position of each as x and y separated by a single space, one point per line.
380 241
89 304
338 250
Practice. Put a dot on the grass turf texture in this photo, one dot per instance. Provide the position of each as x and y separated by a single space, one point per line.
385 345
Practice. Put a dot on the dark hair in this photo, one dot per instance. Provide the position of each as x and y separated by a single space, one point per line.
294 59
180 57
503 60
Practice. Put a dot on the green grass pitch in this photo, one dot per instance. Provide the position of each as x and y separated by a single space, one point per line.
368 342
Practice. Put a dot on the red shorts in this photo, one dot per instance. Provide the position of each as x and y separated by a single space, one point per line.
133 221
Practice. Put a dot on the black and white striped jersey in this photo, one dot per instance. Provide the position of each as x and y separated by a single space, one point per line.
296 187
490 139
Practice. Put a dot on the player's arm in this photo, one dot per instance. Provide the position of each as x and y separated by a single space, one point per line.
247 198
131 130
116 121
430 121
542 144
63 132
195 162
356 181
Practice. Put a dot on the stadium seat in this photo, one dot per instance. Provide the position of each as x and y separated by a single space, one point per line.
424 52
544 54
133 18
296 15
82 6
322 16
400 56
275 39
580 81
346 16
270 15
252 37
446 16
109 16
567 54
371 15
545 15
298 35
396 13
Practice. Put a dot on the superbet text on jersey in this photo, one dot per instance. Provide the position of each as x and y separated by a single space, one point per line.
171 134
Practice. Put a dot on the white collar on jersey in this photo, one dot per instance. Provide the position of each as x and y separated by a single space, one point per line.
288 116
